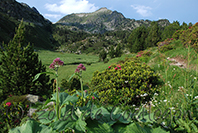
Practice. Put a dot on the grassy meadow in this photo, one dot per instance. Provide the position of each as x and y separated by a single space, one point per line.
71 61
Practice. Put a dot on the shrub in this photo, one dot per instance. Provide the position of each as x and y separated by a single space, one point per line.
19 64
13 110
126 84
166 48
73 84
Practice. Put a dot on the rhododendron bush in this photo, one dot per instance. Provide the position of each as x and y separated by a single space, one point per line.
128 83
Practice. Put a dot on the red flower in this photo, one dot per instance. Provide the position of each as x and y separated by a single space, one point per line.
190 27
8 104
138 55
27 106
116 68
109 67
171 38
76 94
93 97
120 69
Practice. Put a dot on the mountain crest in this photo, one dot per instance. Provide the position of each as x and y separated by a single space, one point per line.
103 20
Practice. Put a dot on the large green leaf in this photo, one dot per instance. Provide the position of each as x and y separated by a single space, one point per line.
46 117
39 74
94 127
65 98
32 126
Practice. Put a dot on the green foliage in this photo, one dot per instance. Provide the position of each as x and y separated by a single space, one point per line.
73 84
12 113
118 51
111 52
166 48
170 30
102 55
136 40
153 35
19 64
126 83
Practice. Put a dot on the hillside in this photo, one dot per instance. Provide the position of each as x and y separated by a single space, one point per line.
38 29
104 20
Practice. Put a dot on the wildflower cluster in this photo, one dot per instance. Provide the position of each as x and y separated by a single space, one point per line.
80 67
57 62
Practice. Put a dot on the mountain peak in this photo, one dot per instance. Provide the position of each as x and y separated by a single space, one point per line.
103 9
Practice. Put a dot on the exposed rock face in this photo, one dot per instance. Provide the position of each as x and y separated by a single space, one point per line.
21 10
104 20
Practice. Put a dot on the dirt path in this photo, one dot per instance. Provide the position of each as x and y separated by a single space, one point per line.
180 62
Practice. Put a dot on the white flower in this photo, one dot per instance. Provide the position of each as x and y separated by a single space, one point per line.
195 78
126 81
173 69
196 97
172 108
133 105
155 94
158 65
145 94
136 108
165 100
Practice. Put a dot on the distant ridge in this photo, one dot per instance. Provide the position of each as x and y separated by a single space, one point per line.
103 20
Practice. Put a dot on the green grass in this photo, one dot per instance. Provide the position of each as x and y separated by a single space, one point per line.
71 61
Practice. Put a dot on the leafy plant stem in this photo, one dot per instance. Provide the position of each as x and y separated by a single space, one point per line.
57 96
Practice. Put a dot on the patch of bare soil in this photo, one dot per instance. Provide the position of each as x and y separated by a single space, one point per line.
180 62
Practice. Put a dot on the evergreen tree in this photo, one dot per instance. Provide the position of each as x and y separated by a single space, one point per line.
111 52
136 40
153 35
118 51
102 55
19 65
170 30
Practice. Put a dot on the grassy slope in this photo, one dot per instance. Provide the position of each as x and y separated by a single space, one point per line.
71 61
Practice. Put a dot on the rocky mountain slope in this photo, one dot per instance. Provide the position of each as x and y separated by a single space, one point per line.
104 20
38 29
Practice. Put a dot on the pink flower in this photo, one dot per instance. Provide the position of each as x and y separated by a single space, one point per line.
84 68
77 70
116 68
120 69
109 67
85 91
190 27
56 61
8 104
27 106
119 66
80 67
52 66
59 88
93 97
171 38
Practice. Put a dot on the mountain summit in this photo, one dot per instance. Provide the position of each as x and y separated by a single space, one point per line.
104 20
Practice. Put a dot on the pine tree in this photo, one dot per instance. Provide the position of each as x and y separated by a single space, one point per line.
111 52
19 65
102 55
118 51
153 35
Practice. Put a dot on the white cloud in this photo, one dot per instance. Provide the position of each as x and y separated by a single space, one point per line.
56 16
71 6
145 11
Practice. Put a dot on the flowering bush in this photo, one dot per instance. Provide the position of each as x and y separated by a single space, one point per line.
126 85
13 110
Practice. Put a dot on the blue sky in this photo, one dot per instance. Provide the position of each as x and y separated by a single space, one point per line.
173 10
